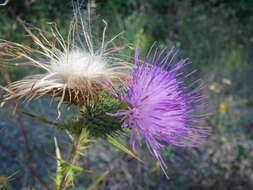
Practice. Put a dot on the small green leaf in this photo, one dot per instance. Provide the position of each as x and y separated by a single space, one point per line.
68 172
120 146
66 167
76 168
97 181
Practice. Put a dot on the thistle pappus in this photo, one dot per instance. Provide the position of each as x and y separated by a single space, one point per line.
74 69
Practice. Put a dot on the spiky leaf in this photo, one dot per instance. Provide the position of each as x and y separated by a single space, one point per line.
120 146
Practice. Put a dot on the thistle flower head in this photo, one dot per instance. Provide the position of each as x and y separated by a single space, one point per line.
95 120
74 69
160 109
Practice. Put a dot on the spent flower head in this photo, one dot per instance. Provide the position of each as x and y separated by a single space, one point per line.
74 69
160 108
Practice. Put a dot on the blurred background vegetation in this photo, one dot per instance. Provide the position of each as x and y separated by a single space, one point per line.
217 35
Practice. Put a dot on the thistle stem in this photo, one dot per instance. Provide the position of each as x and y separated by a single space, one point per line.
71 160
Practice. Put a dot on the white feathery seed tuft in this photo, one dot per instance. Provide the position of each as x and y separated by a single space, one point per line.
79 64
74 70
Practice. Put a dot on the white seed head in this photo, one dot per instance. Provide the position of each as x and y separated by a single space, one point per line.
74 69
78 65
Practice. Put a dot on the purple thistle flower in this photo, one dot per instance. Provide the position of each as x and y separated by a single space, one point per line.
160 109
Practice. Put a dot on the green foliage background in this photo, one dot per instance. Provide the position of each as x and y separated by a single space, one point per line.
216 35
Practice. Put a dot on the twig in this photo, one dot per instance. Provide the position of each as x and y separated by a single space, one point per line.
26 163
24 133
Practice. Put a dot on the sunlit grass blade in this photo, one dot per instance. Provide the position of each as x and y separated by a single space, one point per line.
58 173
97 181
4 3
4 180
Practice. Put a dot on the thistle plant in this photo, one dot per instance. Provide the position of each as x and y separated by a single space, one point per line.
111 95
75 72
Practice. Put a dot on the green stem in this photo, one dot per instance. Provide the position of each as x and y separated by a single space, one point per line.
71 160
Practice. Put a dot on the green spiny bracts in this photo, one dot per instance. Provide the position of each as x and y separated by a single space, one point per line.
98 123
73 124
95 119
